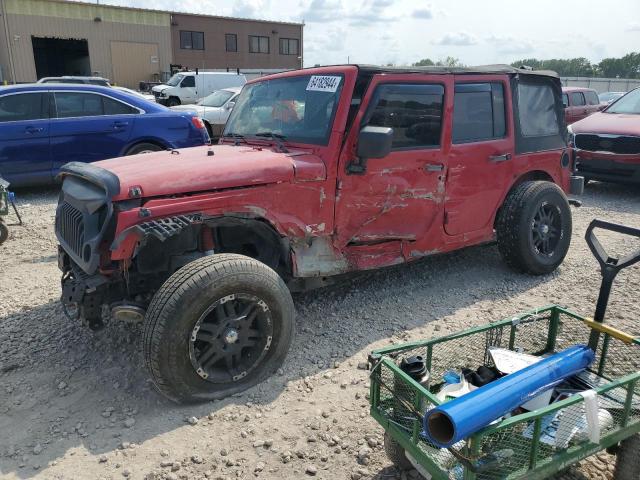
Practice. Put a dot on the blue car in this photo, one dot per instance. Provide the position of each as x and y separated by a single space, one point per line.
44 126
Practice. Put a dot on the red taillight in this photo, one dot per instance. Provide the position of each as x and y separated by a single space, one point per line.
197 122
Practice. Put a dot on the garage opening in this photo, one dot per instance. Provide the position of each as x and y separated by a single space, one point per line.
60 56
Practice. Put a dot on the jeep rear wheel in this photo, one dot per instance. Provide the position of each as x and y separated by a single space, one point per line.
534 227
217 326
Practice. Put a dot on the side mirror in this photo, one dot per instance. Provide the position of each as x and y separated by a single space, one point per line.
374 142
230 105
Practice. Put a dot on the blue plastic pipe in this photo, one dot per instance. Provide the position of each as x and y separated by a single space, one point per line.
459 418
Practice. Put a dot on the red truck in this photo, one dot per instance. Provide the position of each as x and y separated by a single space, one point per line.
320 172
607 144
579 103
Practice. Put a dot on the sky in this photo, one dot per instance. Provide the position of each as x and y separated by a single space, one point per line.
404 31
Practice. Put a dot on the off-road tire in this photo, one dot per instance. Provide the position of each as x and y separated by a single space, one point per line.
395 453
4 232
627 464
514 226
180 302
144 148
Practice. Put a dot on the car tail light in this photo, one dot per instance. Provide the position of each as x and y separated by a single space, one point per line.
197 122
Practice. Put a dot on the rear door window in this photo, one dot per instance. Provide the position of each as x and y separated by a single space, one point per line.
77 104
23 106
414 111
565 100
114 107
478 112
536 110
591 97
577 99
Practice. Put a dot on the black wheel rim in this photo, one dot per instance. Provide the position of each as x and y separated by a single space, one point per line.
231 338
546 229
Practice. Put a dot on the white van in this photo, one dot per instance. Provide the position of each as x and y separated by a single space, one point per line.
190 87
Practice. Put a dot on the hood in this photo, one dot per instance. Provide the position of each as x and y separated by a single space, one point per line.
609 124
193 170
159 88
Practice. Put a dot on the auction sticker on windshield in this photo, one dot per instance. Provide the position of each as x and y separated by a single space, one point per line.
323 83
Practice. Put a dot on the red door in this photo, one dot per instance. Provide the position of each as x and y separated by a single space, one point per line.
578 106
481 155
399 197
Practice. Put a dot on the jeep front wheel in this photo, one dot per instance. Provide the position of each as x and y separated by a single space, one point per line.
216 327
534 227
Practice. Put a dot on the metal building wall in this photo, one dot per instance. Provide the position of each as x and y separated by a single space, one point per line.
601 85
47 18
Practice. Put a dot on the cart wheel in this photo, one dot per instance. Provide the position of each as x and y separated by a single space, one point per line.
395 453
4 232
627 465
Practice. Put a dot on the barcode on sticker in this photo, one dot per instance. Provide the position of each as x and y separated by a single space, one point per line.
323 83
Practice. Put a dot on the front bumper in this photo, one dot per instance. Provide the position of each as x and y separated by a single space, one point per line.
608 170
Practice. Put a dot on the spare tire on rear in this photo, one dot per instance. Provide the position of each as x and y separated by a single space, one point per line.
216 327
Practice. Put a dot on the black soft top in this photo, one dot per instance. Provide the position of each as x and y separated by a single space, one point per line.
481 69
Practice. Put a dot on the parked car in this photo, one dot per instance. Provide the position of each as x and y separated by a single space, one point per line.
607 144
43 126
103 82
311 181
214 109
146 96
579 103
190 87
608 97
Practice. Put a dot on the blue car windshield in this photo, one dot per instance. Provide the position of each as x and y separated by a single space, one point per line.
300 109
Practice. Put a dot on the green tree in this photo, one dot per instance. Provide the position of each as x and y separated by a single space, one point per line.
425 62
627 66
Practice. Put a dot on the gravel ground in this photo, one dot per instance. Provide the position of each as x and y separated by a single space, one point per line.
74 404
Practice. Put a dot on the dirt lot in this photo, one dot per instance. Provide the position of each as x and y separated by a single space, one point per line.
78 405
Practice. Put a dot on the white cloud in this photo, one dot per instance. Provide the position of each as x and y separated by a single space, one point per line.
423 13
511 45
633 27
459 39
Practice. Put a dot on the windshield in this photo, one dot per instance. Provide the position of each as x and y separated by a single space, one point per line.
608 96
175 80
216 99
299 108
629 103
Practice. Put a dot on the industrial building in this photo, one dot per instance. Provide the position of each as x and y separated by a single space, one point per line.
41 38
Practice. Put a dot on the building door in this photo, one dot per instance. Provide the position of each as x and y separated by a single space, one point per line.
55 57
134 62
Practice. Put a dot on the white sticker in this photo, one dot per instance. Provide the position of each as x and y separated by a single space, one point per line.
323 83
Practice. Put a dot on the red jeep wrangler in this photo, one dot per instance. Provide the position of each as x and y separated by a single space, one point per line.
320 172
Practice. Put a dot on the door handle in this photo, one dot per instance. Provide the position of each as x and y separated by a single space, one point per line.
433 167
120 124
500 158
33 130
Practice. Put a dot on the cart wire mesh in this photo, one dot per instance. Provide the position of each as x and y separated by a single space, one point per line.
526 445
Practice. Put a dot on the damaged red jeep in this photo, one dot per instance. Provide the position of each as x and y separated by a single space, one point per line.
320 172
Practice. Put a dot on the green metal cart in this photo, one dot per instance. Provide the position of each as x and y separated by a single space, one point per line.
521 446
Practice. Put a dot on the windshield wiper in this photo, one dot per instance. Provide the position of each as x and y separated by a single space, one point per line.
277 138
236 136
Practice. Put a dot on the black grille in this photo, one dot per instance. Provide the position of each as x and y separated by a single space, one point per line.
621 144
70 227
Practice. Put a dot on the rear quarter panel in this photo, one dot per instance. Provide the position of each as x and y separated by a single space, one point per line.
167 129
